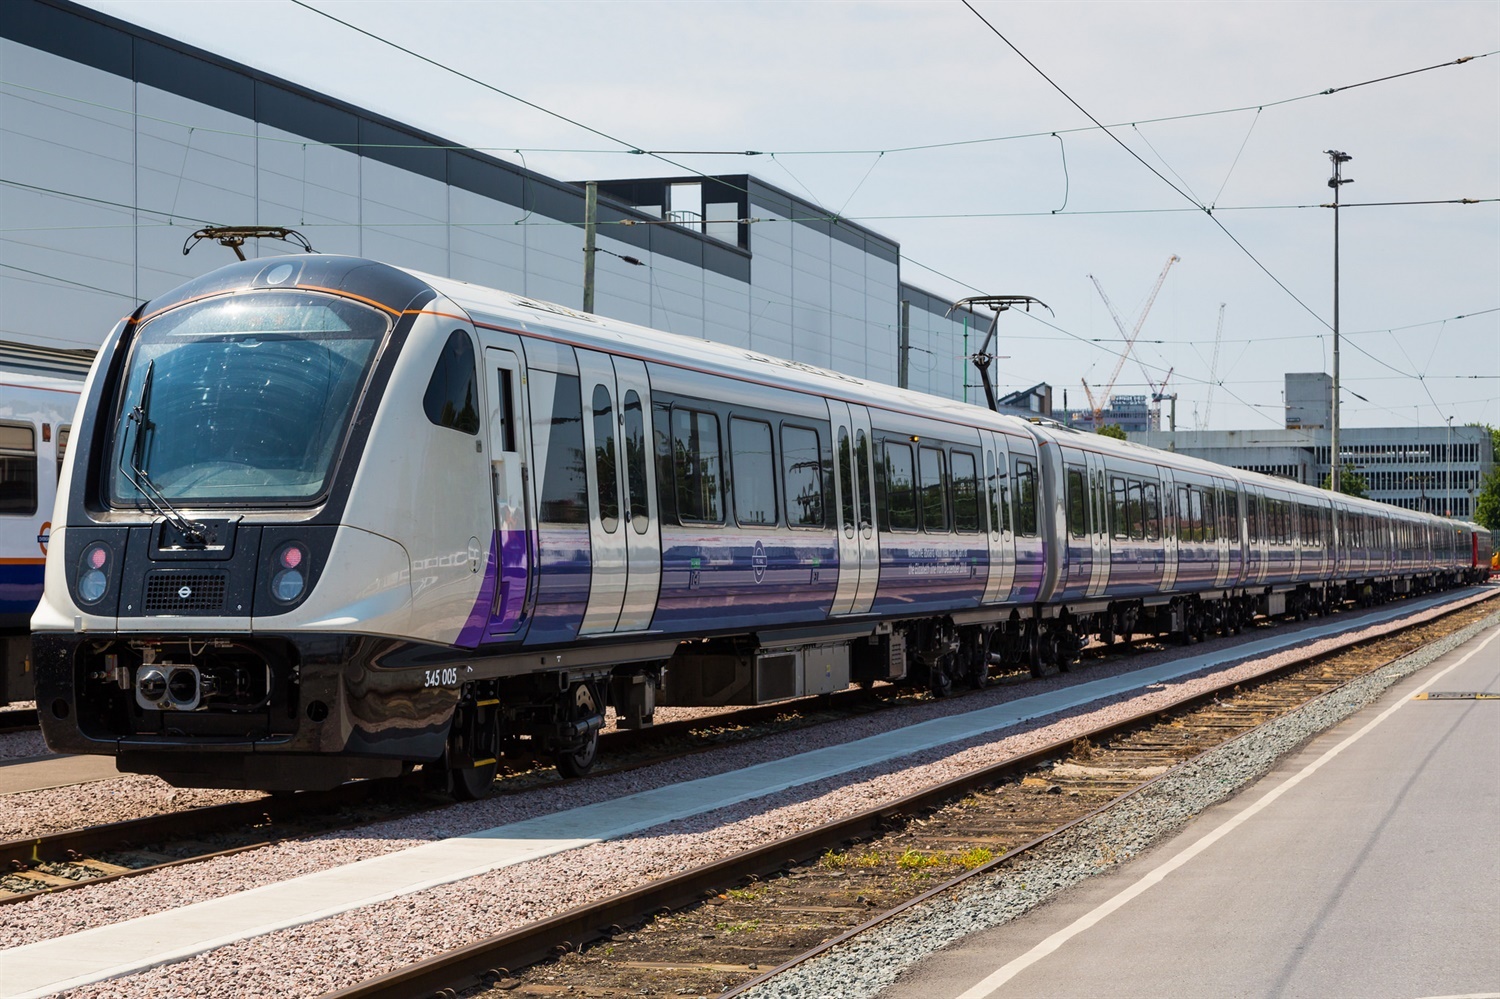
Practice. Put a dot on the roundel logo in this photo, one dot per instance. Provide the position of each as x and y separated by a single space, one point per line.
43 536
185 592
758 561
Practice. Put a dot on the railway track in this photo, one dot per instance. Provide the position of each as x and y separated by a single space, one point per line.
74 858
724 927
70 859
18 720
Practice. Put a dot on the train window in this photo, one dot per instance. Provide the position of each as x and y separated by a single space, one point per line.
1232 513
451 399
62 447
1026 498
754 467
1077 499
1153 512
802 475
861 479
18 469
999 495
604 459
635 462
1136 511
507 410
560 419
1198 515
965 493
696 464
900 488
1210 515
1119 512
933 467
845 471
1252 517
1184 514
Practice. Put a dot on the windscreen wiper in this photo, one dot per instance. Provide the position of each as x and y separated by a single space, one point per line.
194 534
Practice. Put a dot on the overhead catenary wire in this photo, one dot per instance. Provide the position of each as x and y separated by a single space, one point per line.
1188 196
629 150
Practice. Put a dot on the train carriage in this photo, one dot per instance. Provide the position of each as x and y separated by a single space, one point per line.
38 393
326 518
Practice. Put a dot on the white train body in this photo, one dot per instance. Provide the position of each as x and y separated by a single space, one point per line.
328 518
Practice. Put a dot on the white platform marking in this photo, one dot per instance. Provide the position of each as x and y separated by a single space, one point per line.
136 944
990 984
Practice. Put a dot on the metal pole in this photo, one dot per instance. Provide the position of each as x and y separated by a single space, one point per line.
903 346
1336 470
1448 490
964 378
590 227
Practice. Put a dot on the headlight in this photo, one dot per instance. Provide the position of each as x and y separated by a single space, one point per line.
290 578
93 574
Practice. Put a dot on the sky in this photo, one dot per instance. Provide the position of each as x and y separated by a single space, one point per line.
1018 191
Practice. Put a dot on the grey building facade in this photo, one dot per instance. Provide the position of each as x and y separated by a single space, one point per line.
116 143
1422 468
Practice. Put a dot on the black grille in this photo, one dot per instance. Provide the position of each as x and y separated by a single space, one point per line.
172 592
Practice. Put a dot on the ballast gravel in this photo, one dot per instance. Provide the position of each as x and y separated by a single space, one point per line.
868 964
341 950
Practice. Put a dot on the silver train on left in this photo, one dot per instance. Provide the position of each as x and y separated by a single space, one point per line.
325 518
39 390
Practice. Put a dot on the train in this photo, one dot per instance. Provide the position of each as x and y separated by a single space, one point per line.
324 518
39 391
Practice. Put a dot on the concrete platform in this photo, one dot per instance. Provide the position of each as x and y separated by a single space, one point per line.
1365 865
132 945
56 770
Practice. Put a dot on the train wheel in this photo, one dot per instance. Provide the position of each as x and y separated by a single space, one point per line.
583 705
1057 648
473 783
580 761
977 676
939 680
1032 645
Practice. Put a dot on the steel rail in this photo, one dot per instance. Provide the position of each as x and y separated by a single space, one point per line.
18 720
570 930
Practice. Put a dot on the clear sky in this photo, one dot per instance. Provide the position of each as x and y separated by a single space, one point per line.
838 92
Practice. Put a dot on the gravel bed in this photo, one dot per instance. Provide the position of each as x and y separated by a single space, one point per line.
865 966
20 745
338 951
37 813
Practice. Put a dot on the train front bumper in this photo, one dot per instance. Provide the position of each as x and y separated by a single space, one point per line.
272 711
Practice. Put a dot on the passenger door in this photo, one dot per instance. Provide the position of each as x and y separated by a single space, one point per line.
510 443
639 509
854 489
624 537
1227 531
1168 530
1002 530
1098 525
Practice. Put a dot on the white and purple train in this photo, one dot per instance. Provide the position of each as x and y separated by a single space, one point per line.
326 518
38 394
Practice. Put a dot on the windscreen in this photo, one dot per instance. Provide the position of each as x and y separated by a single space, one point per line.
242 399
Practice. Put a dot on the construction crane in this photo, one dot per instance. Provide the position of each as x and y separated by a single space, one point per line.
1213 367
1158 396
1097 404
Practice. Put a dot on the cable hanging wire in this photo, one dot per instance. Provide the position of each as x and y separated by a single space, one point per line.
630 150
1204 208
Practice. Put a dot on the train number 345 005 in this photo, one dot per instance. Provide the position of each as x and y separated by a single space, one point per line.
440 677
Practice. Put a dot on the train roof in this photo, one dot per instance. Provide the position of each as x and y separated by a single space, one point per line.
531 315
